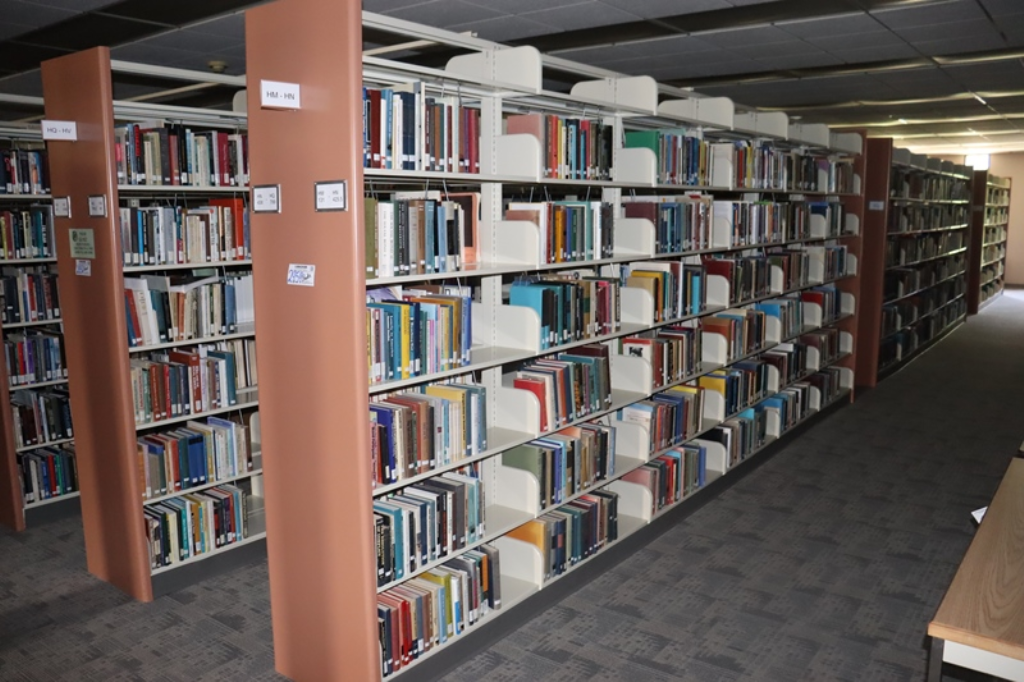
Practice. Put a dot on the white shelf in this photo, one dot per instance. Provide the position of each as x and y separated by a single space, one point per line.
191 342
179 189
27 261
52 500
33 323
4 196
256 522
198 415
187 266
52 443
146 501
40 384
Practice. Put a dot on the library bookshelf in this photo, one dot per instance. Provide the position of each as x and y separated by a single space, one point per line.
155 289
37 477
990 225
311 280
917 240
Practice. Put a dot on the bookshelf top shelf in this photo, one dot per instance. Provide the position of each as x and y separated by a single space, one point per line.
914 200
163 190
5 197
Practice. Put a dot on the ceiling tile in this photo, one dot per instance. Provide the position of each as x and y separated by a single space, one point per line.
875 54
583 15
503 29
444 13
958 45
652 9
761 35
31 13
30 84
930 14
75 5
147 53
1001 8
382 6
857 41
777 50
798 61
672 46
832 26
516 6
10 29
229 28
190 41
975 28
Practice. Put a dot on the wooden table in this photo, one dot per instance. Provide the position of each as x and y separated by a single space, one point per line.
980 622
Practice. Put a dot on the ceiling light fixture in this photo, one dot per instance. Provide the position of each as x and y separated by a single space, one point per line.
903 121
980 98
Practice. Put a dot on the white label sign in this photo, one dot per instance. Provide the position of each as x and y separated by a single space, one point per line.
83 268
97 206
266 199
62 207
876 205
301 275
332 196
278 95
83 244
60 130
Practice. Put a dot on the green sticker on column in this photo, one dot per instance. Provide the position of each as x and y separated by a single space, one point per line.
83 244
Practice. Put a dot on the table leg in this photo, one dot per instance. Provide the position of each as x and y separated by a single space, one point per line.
935 660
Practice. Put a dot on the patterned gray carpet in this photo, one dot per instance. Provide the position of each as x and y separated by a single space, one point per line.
824 564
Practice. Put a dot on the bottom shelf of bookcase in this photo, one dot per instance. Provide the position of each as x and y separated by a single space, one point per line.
523 599
52 509
253 548
893 367
990 300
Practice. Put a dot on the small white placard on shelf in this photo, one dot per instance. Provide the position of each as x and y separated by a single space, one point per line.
876 205
59 130
266 199
332 196
83 244
83 268
97 206
62 207
301 275
278 95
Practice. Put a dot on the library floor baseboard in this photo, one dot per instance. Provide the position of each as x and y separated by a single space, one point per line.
244 554
53 509
918 352
434 667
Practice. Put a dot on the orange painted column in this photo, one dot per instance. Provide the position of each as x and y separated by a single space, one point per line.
872 278
78 88
312 341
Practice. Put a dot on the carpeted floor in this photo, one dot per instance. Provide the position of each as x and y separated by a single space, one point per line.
824 564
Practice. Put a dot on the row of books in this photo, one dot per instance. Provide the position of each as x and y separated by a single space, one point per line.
569 308
683 156
996 215
24 171
162 308
826 341
191 525
174 235
410 128
794 264
568 386
789 359
681 224
788 310
46 473
744 330
417 332
904 281
567 462
435 606
908 183
907 311
421 233
183 382
749 277
573 532
34 357
994 235
195 455
674 352
916 217
29 295
670 417
814 173
431 426
571 148
27 233
177 155
672 476
428 521
570 231
678 289
41 416
911 250
741 384
899 347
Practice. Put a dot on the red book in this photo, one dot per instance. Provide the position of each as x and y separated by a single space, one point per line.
375 151
237 207
536 387
193 361
134 314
